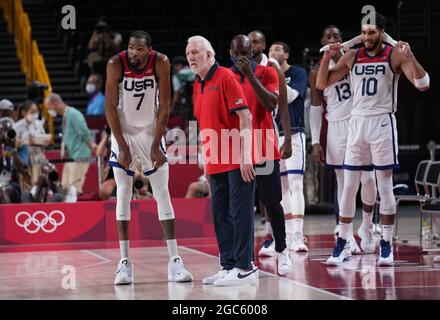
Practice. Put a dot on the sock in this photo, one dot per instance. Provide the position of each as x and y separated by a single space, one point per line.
367 217
289 227
298 225
172 248
346 230
124 248
269 228
387 232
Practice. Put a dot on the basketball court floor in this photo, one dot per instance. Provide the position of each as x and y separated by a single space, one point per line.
78 271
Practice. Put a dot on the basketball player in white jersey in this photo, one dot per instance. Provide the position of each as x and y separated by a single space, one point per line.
372 138
339 100
137 103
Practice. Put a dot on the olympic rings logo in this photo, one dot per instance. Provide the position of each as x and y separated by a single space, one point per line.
40 220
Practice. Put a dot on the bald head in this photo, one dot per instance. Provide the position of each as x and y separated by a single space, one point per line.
55 102
258 41
241 46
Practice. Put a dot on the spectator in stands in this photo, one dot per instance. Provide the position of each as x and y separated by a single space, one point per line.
141 185
77 139
7 109
182 79
31 134
103 44
199 188
96 104
107 189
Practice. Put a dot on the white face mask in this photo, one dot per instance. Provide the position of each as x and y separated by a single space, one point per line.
90 88
52 113
32 117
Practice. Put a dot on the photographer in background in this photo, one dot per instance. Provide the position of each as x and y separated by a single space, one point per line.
107 189
31 134
103 44
12 169
47 188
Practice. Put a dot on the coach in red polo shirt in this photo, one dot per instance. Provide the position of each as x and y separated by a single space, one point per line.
225 124
261 88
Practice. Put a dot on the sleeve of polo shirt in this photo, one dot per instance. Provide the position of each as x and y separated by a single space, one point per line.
272 81
234 94
80 126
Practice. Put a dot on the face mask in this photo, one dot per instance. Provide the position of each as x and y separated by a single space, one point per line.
32 117
234 60
90 88
52 113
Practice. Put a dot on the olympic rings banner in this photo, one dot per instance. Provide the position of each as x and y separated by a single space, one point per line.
96 221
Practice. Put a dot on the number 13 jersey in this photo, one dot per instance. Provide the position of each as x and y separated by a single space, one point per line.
338 98
138 95
374 83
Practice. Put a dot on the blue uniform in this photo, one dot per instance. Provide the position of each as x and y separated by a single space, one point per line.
296 78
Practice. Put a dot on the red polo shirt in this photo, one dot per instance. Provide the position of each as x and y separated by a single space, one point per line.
265 139
216 98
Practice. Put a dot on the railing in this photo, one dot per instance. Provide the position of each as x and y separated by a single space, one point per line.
31 61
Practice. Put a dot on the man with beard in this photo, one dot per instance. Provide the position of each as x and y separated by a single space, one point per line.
339 101
372 138
137 122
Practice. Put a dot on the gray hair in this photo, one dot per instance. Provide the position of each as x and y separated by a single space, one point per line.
205 44
54 97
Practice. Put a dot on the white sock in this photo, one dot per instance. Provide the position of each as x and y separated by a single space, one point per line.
269 228
172 248
124 248
346 230
298 225
289 227
367 217
387 232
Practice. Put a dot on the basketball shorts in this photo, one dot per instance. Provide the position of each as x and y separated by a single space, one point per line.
372 143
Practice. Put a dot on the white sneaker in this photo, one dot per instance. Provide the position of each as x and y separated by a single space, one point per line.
297 244
386 254
341 252
354 248
368 240
267 249
124 273
237 277
219 275
177 271
284 262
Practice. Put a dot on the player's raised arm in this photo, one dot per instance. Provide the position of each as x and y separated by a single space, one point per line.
409 65
326 77
163 75
111 102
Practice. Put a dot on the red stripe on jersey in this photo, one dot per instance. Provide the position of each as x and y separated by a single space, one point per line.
383 56
147 71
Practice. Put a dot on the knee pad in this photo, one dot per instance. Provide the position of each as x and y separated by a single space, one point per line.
159 185
296 187
348 200
124 192
368 190
385 187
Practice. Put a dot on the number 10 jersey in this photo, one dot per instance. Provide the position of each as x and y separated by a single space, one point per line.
374 83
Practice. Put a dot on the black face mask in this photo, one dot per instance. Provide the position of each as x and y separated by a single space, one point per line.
235 59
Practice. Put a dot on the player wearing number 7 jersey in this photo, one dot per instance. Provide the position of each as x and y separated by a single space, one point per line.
372 136
137 105
339 101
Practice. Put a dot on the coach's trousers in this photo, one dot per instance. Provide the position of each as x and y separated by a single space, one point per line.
269 191
232 201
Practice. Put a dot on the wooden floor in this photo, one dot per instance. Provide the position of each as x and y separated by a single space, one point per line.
86 271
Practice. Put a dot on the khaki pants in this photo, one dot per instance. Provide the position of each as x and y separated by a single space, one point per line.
74 173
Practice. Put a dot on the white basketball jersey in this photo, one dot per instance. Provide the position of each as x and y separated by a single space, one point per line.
339 98
374 83
138 95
